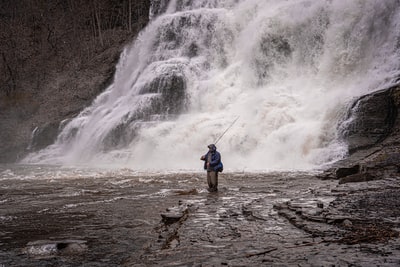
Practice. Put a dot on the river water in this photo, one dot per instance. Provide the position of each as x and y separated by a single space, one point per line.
55 216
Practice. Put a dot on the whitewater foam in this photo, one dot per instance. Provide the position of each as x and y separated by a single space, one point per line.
288 69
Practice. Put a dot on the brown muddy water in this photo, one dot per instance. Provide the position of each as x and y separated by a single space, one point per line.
53 216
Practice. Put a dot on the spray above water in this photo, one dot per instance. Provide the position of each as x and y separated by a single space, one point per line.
289 69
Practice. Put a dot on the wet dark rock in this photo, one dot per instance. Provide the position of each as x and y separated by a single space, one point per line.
44 136
352 218
168 90
327 174
356 178
170 218
373 118
121 135
192 50
272 48
368 233
171 223
158 7
372 132
317 226
186 192
343 172
347 223
171 86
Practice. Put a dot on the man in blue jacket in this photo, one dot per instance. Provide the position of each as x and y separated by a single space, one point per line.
213 165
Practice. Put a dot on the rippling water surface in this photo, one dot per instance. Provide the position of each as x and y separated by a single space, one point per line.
73 216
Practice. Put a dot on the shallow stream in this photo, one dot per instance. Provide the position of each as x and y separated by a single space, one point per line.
79 217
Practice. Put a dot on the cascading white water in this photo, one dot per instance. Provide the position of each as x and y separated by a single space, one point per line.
287 69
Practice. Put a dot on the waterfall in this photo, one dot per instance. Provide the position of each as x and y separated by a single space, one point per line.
288 70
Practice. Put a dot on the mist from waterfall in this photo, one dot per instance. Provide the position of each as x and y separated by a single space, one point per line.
287 69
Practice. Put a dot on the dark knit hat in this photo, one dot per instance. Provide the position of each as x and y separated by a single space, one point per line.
212 147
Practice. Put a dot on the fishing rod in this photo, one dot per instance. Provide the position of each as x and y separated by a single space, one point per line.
219 138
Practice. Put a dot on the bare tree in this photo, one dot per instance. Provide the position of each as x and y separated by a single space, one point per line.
10 81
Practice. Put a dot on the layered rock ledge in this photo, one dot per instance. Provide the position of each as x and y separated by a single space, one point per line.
372 131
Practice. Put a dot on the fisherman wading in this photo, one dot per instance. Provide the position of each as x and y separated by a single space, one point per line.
213 165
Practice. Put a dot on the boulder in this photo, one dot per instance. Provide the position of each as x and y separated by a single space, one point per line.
170 218
371 120
372 132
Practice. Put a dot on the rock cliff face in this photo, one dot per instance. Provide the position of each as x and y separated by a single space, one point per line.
373 120
55 58
373 134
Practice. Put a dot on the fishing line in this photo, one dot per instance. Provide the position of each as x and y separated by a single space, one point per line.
219 138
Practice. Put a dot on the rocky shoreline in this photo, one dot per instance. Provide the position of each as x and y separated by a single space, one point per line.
362 219
265 219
